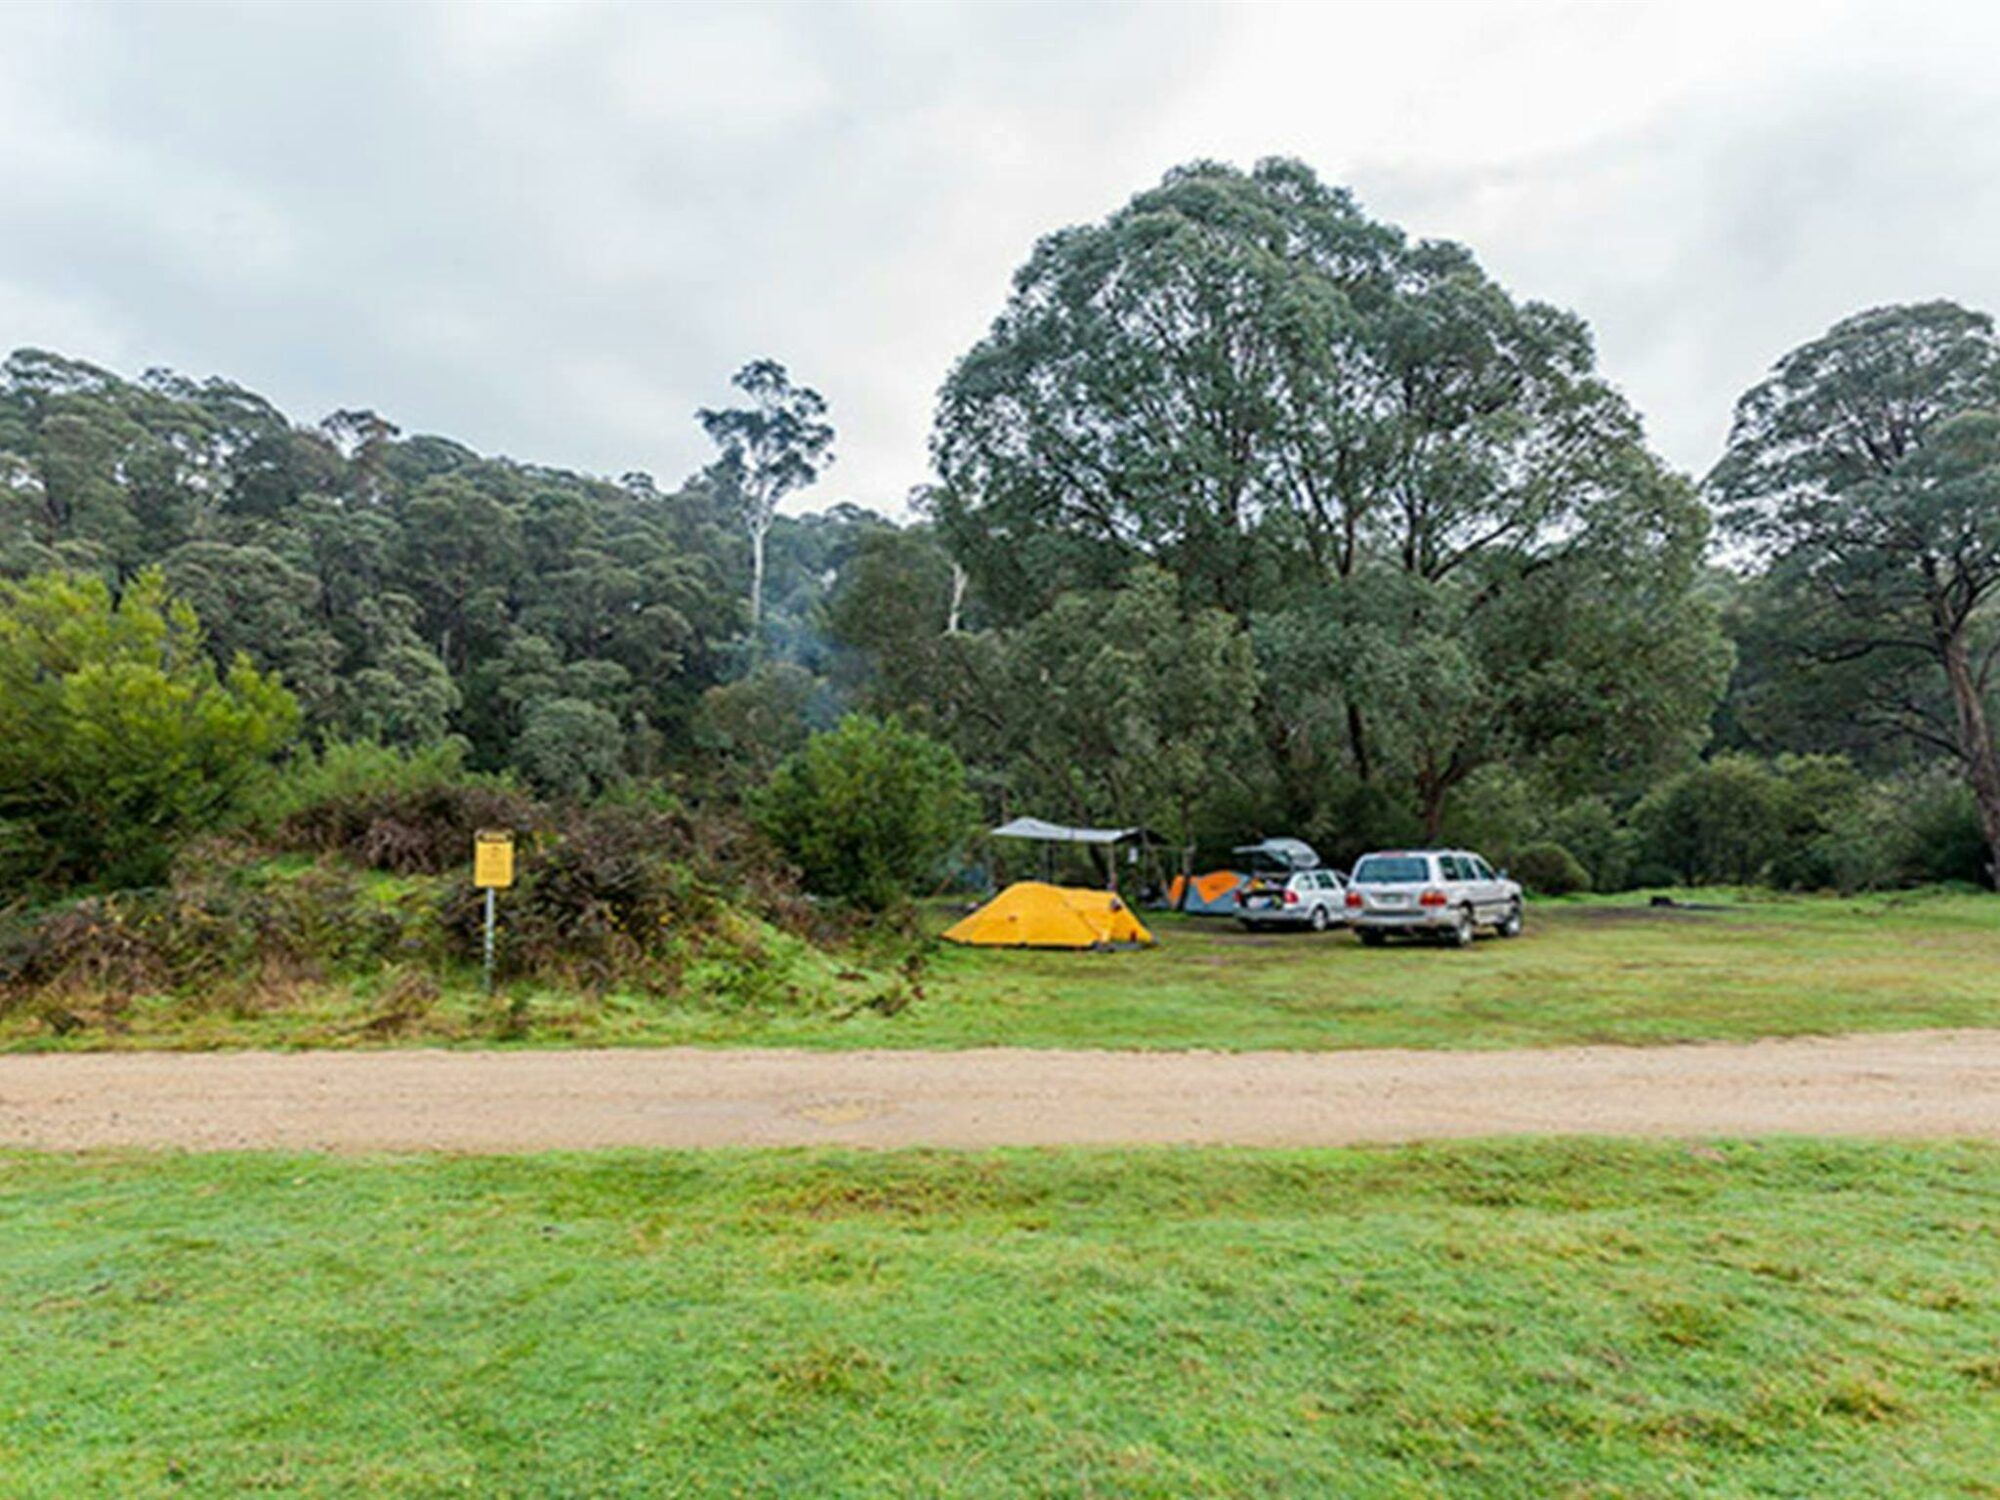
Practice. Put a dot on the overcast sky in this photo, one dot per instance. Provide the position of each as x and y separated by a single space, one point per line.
554 230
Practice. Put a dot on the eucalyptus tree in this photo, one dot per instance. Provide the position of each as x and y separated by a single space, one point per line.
255 603
778 443
1110 706
1337 433
1864 473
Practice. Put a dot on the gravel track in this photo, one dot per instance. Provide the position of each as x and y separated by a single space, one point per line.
1909 1084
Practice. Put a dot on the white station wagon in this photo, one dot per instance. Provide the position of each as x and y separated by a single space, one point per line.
1435 893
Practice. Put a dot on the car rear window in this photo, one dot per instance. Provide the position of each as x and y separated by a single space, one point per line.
1392 869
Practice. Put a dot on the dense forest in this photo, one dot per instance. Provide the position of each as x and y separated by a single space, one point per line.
1250 515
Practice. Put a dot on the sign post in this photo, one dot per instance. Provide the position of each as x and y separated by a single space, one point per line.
492 870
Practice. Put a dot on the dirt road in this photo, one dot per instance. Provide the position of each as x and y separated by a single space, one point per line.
1936 1083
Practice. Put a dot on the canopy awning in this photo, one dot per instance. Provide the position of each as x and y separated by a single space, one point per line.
1058 833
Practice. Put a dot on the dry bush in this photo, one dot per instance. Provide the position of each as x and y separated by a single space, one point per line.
214 937
422 831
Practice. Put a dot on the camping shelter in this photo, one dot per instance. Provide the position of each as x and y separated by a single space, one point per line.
1210 895
1037 831
1029 914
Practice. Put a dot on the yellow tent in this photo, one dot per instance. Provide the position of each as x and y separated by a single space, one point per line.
1032 915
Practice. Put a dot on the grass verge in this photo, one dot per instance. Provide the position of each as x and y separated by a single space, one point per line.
1520 1319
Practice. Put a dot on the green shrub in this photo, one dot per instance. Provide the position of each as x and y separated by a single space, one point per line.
869 810
1591 831
1942 838
1549 869
348 771
1649 875
118 737
1828 837
407 812
1721 823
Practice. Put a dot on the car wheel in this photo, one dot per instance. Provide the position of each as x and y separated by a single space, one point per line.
1510 925
1319 919
1370 938
1246 924
1462 930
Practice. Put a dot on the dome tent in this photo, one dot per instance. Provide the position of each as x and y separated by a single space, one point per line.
1209 895
1029 914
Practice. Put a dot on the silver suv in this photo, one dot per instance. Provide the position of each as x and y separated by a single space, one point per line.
1436 893
1305 898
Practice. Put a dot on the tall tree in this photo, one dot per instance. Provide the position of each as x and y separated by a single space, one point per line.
1865 474
1295 410
780 442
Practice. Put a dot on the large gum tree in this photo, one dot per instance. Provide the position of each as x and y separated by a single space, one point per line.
1361 445
1864 474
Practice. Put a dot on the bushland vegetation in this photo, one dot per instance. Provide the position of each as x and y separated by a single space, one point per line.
1251 514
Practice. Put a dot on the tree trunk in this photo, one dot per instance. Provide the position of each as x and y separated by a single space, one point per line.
1432 798
1357 742
1975 742
958 582
1433 786
757 534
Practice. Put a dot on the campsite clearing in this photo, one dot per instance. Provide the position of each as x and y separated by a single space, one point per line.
1574 1317
1587 970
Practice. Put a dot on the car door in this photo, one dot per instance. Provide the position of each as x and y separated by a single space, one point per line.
1459 889
1336 895
1493 890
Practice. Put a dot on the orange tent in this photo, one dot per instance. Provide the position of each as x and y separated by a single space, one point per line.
1213 895
1030 914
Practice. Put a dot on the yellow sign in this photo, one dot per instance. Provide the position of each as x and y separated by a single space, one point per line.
493 859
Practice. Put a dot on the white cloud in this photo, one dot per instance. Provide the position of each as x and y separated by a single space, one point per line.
555 229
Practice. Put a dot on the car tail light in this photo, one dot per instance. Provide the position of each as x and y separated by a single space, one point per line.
1354 898
1291 898
1431 898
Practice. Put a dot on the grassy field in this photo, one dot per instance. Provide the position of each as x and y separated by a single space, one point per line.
1576 1318
1587 971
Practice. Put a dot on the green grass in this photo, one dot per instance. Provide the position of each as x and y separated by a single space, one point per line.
1587 971
1567 1318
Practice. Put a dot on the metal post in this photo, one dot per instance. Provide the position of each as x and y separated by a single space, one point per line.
489 940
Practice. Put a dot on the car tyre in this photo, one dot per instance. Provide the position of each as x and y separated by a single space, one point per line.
1246 924
1462 931
1511 924
1370 938
1318 919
